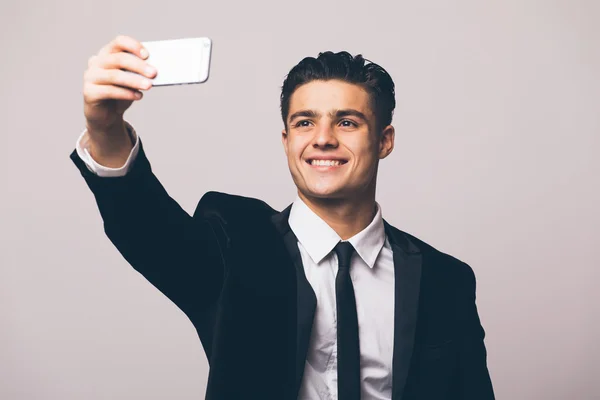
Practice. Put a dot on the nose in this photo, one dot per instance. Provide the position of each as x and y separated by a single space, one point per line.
325 137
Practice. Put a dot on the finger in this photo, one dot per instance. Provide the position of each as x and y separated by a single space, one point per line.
101 76
94 93
124 43
125 62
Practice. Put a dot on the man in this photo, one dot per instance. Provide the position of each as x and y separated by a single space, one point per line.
323 300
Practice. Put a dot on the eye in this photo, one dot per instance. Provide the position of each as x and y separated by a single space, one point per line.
352 123
300 123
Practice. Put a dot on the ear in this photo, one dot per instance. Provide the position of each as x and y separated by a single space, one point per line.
386 141
284 140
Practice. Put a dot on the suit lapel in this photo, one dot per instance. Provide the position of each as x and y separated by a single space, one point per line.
305 295
407 281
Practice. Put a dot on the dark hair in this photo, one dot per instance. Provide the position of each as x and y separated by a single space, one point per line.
343 66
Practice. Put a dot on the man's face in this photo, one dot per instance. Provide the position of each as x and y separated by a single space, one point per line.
331 144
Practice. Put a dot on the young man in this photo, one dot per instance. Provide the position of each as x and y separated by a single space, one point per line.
324 300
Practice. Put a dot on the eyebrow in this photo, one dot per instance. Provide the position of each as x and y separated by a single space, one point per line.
333 114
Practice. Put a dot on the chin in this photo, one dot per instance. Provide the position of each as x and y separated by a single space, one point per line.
323 193
321 188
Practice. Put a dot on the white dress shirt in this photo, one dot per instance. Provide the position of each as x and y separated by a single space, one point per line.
372 274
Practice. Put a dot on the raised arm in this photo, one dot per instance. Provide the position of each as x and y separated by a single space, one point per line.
178 254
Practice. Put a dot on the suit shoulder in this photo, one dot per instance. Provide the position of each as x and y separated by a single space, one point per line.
229 206
437 259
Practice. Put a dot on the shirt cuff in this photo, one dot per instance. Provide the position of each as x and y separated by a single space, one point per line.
82 148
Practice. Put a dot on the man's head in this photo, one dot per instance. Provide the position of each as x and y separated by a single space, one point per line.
337 113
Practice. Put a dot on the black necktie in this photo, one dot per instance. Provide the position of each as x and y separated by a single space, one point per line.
348 367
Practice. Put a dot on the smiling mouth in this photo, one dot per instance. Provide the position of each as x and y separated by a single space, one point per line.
325 163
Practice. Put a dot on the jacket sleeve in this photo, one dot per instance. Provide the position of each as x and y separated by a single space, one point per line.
474 378
178 254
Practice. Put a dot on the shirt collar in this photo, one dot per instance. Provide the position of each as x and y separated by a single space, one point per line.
319 239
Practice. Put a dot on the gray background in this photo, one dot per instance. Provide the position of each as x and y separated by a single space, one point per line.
495 162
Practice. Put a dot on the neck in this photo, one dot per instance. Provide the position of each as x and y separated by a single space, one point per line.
346 217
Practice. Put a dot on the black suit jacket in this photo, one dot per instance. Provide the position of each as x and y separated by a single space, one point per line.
235 270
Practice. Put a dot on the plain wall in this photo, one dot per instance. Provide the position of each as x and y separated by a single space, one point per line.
496 162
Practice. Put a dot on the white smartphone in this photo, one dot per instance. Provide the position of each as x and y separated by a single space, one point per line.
179 61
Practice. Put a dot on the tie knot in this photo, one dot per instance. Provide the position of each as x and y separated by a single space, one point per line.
344 252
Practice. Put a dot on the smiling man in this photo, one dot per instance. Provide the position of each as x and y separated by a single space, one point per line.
323 300
333 144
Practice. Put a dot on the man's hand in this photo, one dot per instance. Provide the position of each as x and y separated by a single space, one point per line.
109 89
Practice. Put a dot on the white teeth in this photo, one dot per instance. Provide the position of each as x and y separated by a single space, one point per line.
325 163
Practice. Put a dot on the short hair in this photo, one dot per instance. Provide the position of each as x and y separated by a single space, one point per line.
345 67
